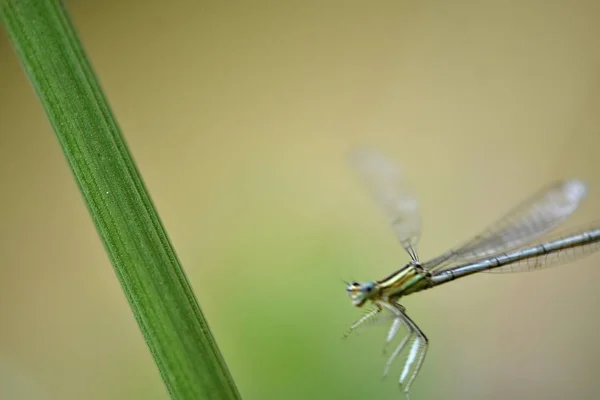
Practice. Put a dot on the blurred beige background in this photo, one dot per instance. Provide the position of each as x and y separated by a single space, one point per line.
240 117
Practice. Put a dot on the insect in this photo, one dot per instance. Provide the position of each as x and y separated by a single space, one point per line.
505 246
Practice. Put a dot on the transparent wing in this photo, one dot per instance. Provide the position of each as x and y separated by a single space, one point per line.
561 249
558 251
384 181
533 218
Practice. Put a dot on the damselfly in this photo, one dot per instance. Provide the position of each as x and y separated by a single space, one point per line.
503 247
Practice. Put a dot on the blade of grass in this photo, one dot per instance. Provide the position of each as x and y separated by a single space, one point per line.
148 269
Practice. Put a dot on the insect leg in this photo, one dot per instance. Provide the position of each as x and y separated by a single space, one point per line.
416 356
370 317
396 352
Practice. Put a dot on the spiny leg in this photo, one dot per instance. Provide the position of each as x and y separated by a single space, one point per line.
396 325
396 352
418 348
416 356
370 317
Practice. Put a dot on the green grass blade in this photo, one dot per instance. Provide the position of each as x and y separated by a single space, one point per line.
153 281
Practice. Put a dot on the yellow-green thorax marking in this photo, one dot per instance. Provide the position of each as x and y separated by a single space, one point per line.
409 279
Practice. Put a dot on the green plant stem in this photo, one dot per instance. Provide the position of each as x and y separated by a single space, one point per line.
148 269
